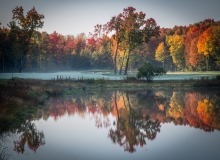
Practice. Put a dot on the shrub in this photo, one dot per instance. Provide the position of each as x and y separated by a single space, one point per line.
147 71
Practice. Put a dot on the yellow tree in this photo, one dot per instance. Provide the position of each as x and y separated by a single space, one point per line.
176 48
204 44
161 53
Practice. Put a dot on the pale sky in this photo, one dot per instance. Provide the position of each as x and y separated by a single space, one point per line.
78 16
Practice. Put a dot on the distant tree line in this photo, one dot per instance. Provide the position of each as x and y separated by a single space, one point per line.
124 43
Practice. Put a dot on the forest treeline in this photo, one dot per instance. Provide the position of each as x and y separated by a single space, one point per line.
124 43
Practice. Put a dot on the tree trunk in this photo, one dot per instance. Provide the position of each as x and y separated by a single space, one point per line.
22 61
124 101
126 66
207 63
3 65
20 66
15 65
115 101
46 65
122 62
115 58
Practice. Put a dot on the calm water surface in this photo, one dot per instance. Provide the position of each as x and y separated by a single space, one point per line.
122 125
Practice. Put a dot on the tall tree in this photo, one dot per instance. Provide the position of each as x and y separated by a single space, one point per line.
44 51
28 23
204 45
70 50
17 43
161 53
57 46
4 45
116 26
101 58
216 43
176 45
194 57
137 30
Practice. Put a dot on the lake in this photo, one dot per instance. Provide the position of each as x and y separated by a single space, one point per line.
124 125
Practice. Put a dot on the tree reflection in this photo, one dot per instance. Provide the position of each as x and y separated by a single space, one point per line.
131 127
98 107
146 99
209 112
31 136
176 105
138 115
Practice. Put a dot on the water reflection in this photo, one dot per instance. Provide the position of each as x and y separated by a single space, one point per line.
138 116
131 127
29 135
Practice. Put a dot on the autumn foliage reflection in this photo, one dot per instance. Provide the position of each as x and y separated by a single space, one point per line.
31 136
132 128
134 117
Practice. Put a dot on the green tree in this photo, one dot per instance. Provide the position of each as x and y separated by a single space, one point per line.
16 42
28 24
147 71
137 30
4 45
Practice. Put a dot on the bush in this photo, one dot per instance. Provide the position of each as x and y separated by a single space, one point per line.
147 71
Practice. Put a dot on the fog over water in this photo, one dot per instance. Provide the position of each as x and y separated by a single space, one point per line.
106 75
